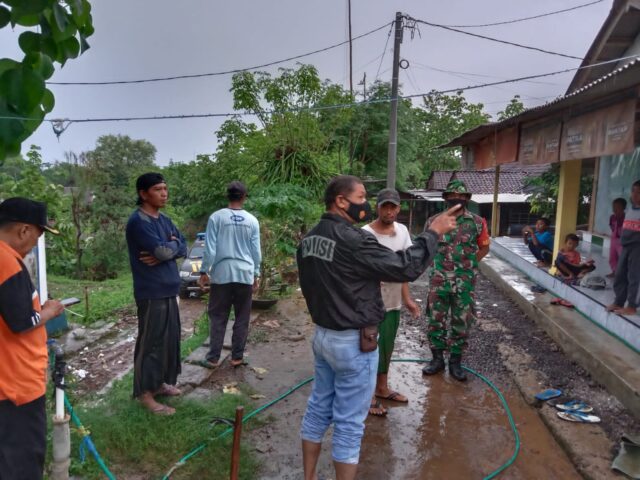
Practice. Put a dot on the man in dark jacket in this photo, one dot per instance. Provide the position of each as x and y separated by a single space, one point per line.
341 267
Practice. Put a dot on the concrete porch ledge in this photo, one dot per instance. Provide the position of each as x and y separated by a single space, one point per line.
609 361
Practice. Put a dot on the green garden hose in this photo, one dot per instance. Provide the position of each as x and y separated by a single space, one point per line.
494 474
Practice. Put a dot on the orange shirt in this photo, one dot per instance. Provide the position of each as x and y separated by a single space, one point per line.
23 348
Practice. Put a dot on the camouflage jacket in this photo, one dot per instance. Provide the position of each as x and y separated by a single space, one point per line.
456 255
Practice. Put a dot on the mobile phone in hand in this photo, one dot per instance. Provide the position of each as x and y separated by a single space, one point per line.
67 302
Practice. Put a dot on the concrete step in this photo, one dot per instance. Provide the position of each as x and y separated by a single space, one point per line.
609 361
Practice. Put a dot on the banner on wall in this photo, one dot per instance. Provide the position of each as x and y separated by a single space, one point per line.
607 131
540 144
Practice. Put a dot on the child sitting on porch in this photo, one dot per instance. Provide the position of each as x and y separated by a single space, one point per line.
569 261
540 242
615 223
627 280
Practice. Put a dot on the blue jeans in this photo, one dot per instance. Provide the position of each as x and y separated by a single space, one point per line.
343 385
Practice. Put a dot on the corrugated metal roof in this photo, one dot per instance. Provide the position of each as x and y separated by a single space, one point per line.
619 79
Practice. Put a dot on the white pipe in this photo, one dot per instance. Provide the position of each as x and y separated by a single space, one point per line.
59 404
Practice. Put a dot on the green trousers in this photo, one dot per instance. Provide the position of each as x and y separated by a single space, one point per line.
387 331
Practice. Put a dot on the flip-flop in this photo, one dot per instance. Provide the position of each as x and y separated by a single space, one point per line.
378 405
161 409
393 396
548 394
578 417
563 302
574 406
238 363
208 364
169 391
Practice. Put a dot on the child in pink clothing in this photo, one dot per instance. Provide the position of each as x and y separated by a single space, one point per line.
615 223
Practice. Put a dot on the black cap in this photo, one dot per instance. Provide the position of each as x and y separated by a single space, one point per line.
23 210
388 195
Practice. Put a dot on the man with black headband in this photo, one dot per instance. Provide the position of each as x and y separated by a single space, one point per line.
341 267
451 298
154 244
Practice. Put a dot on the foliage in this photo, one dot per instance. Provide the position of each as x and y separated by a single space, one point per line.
137 443
111 170
106 298
513 108
445 117
544 191
62 29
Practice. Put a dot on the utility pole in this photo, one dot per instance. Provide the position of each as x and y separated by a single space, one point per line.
393 119
350 83
364 85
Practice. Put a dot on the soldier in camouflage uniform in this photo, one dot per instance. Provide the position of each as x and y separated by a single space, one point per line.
451 298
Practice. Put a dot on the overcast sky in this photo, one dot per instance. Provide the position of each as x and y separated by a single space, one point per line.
152 38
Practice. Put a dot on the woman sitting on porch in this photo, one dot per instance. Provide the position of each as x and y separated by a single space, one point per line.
540 242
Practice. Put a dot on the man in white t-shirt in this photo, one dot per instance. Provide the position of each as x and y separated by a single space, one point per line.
394 236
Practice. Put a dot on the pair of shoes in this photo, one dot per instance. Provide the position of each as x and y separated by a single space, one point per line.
377 409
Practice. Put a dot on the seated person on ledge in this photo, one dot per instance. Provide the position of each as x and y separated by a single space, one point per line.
540 242
569 261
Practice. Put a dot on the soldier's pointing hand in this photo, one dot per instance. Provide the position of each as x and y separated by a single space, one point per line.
446 221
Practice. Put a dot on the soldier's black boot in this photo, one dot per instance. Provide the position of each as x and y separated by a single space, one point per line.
455 369
436 365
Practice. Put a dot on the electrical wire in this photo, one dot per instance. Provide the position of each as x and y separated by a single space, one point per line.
225 72
485 37
326 107
385 50
517 20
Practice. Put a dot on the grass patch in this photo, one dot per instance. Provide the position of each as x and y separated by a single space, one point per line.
105 298
200 334
145 445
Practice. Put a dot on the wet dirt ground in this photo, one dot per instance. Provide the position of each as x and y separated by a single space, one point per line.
94 367
448 429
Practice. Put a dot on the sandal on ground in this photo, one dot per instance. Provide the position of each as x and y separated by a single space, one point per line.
208 364
563 302
578 417
574 406
238 363
548 394
377 409
394 397
158 408
169 391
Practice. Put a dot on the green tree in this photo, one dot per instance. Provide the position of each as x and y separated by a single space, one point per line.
513 108
111 170
444 117
62 28
544 190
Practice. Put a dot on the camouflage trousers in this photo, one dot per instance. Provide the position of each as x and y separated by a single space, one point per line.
450 313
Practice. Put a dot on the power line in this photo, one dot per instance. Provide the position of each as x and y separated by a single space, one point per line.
455 72
485 37
225 72
384 51
517 20
329 107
